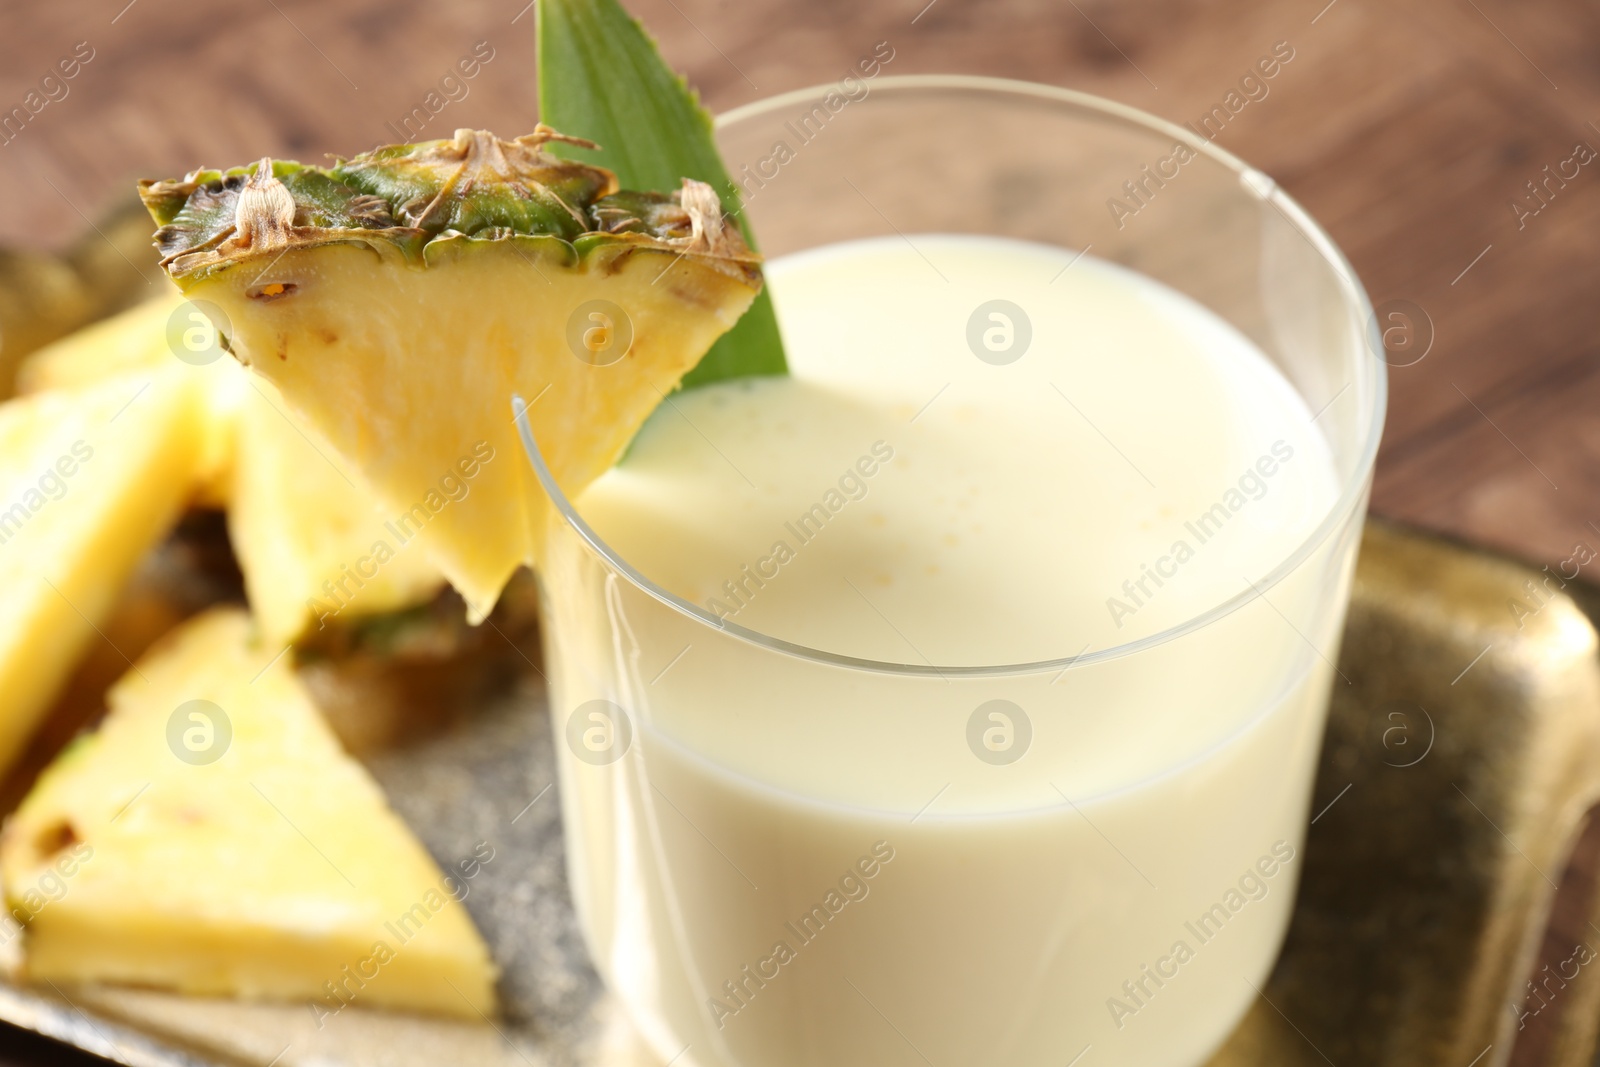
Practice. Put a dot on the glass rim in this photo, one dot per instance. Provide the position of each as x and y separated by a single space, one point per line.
1352 491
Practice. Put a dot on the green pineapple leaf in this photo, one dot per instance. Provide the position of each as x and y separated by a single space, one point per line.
601 78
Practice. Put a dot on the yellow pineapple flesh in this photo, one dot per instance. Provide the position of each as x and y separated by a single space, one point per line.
90 480
213 838
400 299
141 340
131 340
310 539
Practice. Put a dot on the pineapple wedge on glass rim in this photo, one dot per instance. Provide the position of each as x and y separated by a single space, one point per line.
399 299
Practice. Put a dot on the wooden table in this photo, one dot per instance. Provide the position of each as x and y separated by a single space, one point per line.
1409 129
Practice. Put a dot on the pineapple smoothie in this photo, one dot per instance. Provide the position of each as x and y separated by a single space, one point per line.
988 453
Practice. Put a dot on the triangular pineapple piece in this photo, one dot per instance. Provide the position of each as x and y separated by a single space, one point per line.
212 837
141 340
309 538
130 340
90 480
400 298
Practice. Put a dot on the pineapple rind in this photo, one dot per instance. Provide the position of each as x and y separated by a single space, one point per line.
405 197
486 184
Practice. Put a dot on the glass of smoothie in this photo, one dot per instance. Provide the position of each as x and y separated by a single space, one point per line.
955 698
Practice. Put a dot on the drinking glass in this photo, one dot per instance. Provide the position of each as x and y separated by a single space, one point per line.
749 884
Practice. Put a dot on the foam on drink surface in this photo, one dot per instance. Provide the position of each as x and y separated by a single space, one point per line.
1108 484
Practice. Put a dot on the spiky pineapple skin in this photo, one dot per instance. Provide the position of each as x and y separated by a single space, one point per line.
409 197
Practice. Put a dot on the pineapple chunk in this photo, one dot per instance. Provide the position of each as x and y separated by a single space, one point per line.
135 340
131 340
399 299
253 859
90 480
310 543
309 537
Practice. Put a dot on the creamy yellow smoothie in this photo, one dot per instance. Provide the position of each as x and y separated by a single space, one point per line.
989 453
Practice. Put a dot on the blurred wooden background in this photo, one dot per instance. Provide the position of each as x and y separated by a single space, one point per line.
1407 128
